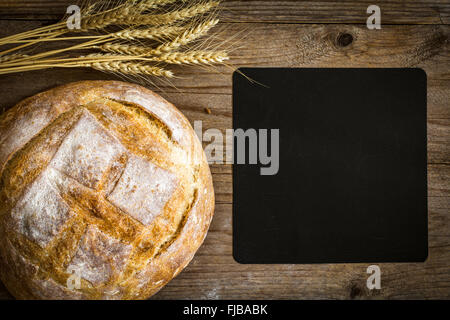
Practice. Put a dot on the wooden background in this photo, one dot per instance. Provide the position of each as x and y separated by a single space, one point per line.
292 34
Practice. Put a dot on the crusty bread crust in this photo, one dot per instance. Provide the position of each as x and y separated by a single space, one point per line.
103 179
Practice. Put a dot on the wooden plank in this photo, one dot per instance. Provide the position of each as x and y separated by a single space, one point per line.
438 141
392 12
291 45
348 11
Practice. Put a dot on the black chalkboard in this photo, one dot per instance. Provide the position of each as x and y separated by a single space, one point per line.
351 184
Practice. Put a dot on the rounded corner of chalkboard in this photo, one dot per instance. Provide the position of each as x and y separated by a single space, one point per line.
238 258
425 256
421 72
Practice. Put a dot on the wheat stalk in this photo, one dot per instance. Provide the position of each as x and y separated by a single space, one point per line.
29 59
64 62
156 33
12 57
102 62
46 31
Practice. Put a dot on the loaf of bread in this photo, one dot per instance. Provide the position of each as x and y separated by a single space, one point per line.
105 193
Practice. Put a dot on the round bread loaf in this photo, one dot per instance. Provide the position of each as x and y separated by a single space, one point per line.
105 193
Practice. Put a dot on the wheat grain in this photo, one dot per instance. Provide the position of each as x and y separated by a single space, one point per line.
12 57
193 57
170 17
98 55
151 33
125 49
130 68
152 4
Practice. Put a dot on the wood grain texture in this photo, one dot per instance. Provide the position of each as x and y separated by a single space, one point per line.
295 41
269 11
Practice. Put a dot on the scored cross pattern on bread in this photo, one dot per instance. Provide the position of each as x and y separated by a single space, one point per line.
112 184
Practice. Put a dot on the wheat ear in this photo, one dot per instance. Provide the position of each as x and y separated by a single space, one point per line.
183 39
187 36
170 17
193 57
152 4
130 68
124 49
104 19
151 33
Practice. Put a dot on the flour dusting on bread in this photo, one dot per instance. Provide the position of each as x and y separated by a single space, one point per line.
143 189
99 256
87 152
41 213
